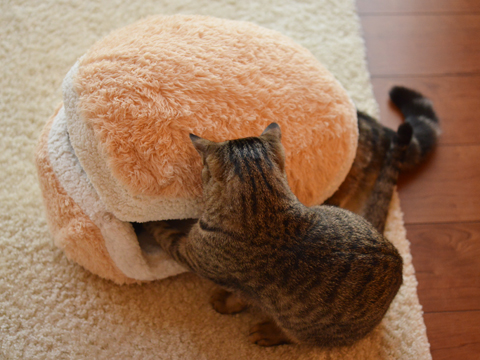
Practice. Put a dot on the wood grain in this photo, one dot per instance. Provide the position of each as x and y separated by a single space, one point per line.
447 265
422 44
454 335
434 46
456 100
416 6
445 189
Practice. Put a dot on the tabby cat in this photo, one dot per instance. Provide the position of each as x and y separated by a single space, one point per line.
321 275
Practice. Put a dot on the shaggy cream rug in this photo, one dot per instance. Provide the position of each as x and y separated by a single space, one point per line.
51 308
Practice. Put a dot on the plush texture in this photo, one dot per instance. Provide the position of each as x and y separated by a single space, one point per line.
74 230
119 145
143 88
51 307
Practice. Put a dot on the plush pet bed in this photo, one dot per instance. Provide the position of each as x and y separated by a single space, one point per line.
52 308
117 151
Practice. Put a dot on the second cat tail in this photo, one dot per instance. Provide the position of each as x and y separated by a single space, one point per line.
419 113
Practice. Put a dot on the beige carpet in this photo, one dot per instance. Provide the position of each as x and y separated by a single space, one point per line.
50 308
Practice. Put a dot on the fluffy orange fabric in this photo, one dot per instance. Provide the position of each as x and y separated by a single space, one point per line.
145 87
72 230
130 104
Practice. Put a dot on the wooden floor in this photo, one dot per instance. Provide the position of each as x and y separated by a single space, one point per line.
434 46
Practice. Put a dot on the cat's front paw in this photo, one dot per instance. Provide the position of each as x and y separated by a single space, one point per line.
268 334
225 302
155 228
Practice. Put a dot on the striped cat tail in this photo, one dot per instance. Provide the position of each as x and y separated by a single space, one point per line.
419 113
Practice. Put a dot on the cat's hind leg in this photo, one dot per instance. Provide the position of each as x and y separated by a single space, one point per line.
268 333
226 302
376 207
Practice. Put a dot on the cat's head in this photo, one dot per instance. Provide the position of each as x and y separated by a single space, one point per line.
242 158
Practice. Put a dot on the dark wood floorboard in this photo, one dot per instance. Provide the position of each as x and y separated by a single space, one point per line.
445 189
422 44
434 46
454 335
446 260
416 6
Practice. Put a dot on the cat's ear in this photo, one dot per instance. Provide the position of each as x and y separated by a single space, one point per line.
273 135
273 130
201 145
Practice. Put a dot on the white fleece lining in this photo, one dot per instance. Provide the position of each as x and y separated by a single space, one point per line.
120 238
115 197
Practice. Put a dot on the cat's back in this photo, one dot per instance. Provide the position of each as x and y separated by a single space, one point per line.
347 247
337 272
345 230
329 230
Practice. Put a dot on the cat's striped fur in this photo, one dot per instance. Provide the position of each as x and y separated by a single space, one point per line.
322 275
368 187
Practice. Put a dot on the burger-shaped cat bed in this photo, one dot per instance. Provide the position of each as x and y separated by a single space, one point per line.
117 151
